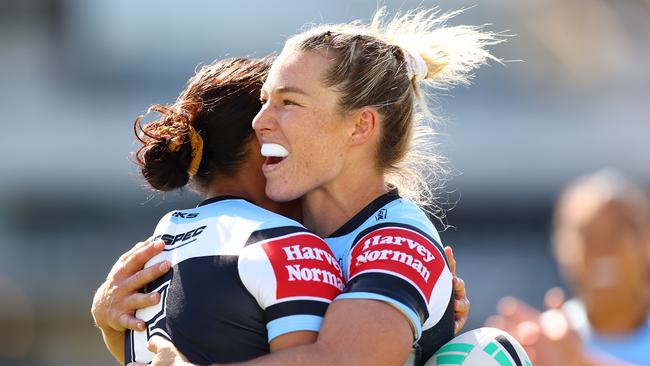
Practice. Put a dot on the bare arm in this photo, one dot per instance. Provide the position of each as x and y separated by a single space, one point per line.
357 331
292 339
354 332
117 299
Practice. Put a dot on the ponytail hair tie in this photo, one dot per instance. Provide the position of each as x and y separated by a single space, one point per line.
196 142
416 68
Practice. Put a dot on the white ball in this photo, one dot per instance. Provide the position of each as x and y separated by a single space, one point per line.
481 347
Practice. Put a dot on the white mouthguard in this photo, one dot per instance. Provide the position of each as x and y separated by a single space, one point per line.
274 150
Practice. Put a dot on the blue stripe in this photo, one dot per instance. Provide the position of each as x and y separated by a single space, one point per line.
410 314
293 323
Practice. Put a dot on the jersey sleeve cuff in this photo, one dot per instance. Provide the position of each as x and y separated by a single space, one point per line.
412 317
293 323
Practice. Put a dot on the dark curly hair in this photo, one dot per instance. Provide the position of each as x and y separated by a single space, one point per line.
219 103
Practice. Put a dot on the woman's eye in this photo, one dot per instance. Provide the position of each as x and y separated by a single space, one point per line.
289 102
263 101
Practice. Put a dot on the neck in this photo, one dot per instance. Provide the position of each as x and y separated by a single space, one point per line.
233 186
327 208
619 322
248 183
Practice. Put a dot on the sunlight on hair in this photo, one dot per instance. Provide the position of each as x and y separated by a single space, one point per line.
375 65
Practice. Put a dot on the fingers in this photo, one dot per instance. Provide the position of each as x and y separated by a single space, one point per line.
499 322
459 323
554 298
516 310
139 245
139 301
520 331
134 302
527 333
461 308
139 257
495 321
142 277
452 261
459 289
157 344
165 352
554 324
458 326
461 302
461 305
128 321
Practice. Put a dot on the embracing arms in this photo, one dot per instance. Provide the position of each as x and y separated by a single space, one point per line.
117 299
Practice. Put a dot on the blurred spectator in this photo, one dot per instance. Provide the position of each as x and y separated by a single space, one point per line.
602 245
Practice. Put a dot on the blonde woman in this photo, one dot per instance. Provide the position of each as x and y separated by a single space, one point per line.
339 129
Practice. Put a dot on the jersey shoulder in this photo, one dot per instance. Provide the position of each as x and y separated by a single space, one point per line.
396 256
403 243
230 217
406 213
222 227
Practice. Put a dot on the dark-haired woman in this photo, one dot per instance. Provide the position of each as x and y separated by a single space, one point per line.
244 280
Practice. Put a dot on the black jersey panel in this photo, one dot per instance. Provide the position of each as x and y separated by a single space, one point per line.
288 308
211 317
435 337
265 234
392 287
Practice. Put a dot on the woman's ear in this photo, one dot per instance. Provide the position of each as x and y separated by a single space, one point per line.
365 125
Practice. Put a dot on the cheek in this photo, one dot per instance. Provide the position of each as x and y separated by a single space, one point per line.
320 142
635 269
329 152
316 159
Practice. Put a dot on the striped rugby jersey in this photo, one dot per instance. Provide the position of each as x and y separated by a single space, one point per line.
390 251
241 276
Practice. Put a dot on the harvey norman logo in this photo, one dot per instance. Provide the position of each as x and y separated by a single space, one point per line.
401 251
304 266
298 272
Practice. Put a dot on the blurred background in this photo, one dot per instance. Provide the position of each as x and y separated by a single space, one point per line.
75 73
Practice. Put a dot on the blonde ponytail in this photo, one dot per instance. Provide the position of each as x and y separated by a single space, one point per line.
451 53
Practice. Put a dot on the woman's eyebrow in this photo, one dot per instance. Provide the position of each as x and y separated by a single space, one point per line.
291 89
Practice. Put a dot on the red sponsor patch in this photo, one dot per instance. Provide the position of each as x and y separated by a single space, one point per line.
304 266
401 251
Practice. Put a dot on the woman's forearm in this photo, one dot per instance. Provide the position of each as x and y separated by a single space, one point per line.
114 341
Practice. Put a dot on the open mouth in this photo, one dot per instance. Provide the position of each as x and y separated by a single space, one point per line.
272 160
274 153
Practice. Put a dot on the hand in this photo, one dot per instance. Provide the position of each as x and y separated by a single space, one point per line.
165 354
461 302
117 299
546 336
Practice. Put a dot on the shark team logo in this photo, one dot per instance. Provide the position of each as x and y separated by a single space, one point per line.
401 252
304 267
